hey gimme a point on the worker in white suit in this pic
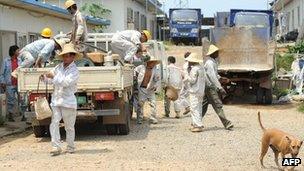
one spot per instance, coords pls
(38, 52)
(298, 75)
(64, 77)
(195, 80)
(147, 79)
(129, 42)
(174, 79)
(214, 87)
(184, 93)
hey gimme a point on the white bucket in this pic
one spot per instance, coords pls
(108, 60)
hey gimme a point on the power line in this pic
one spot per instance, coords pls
(181, 3)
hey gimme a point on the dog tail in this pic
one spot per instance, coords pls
(259, 117)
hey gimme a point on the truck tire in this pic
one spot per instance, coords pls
(268, 96)
(39, 131)
(264, 96)
(121, 129)
(260, 95)
(124, 129)
(111, 129)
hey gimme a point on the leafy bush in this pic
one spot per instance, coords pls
(301, 108)
(280, 92)
(284, 61)
(298, 48)
(97, 11)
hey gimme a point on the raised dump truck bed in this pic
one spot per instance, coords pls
(244, 49)
(246, 55)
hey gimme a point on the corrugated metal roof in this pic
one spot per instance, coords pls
(50, 10)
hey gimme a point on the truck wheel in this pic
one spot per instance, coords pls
(268, 96)
(260, 95)
(124, 129)
(39, 131)
(111, 129)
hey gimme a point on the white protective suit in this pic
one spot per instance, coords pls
(196, 83)
(174, 79)
(40, 48)
(126, 43)
(147, 94)
(212, 74)
(64, 103)
(184, 93)
(298, 76)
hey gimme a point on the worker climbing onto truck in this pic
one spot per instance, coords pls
(195, 80)
(79, 30)
(64, 77)
(37, 53)
(46, 33)
(214, 87)
(127, 43)
(147, 81)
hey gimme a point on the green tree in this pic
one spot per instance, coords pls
(97, 11)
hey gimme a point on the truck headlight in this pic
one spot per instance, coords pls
(174, 30)
(194, 30)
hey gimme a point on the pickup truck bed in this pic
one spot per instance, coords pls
(92, 79)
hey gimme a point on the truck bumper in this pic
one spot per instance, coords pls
(106, 112)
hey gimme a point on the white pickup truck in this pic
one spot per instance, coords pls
(104, 92)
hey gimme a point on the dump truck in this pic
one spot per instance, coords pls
(246, 55)
(104, 93)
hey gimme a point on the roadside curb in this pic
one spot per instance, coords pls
(4, 133)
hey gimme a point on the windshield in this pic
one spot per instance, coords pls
(245, 19)
(184, 15)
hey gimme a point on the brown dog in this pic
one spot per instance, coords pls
(279, 142)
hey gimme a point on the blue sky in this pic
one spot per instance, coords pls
(209, 7)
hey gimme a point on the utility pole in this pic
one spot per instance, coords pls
(181, 3)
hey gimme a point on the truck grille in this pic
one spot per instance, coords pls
(184, 30)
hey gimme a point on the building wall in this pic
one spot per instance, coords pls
(295, 14)
(118, 16)
(17, 24)
(151, 16)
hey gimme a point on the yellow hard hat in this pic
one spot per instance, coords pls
(147, 34)
(212, 49)
(69, 3)
(46, 32)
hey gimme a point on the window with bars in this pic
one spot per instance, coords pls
(130, 15)
(33, 37)
(292, 19)
(22, 41)
(143, 22)
(136, 20)
(299, 17)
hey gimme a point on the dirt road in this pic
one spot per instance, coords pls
(166, 146)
